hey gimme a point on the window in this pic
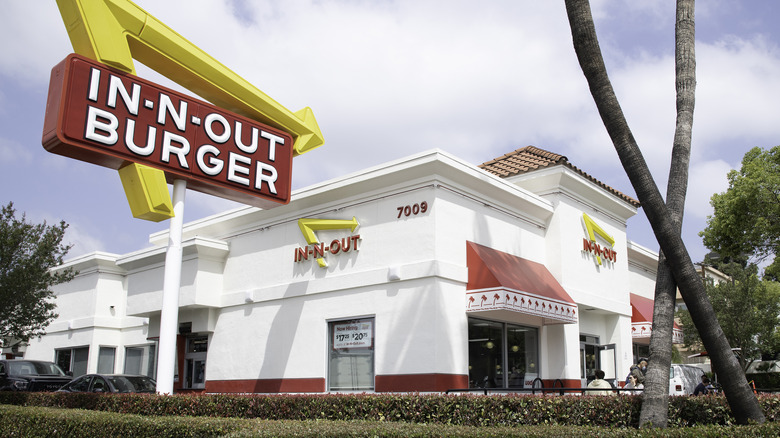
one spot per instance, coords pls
(106, 360)
(641, 352)
(73, 360)
(502, 355)
(81, 384)
(195, 362)
(351, 355)
(100, 385)
(140, 360)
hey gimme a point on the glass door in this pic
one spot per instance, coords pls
(502, 355)
(590, 359)
(195, 362)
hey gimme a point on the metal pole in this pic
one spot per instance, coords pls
(169, 314)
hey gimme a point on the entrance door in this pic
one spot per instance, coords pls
(590, 358)
(608, 361)
(195, 362)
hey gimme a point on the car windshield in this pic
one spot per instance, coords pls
(29, 368)
(133, 383)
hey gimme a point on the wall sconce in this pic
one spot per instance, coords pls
(489, 345)
(394, 273)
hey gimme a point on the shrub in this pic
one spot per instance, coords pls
(463, 410)
(16, 421)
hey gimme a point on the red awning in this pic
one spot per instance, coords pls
(501, 281)
(642, 320)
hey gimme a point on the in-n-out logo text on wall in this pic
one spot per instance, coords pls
(319, 250)
(590, 245)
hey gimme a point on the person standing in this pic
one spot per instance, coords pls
(703, 388)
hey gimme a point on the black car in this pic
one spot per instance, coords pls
(111, 383)
(31, 375)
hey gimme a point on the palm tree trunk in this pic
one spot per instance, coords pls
(655, 402)
(742, 401)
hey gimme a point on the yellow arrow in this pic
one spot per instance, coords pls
(308, 226)
(593, 229)
(116, 31)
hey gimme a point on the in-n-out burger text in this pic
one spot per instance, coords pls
(598, 250)
(345, 244)
(106, 117)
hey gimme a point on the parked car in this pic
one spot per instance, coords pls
(111, 383)
(31, 375)
(684, 378)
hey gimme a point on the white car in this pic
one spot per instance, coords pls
(684, 378)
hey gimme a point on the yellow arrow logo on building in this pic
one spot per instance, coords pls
(308, 227)
(594, 229)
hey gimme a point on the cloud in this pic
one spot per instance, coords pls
(83, 241)
(739, 94)
(34, 40)
(390, 79)
(697, 202)
(13, 153)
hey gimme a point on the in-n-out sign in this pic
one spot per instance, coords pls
(589, 244)
(106, 117)
(317, 249)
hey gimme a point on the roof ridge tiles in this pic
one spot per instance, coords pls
(530, 158)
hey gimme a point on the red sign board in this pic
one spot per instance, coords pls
(106, 117)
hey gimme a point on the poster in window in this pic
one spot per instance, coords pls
(353, 335)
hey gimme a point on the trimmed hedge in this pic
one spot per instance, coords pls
(16, 421)
(462, 410)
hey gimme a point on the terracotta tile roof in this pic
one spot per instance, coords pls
(530, 158)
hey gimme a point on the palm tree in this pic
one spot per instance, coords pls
(655, 402)
(742, 401)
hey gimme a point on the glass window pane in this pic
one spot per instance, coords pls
(486, 368)
(151, 365)
(522, 355)
(134, 357)
(351, 346)
(81, 384)
(63, 359)
(140, 360)
(80, 356)
(106, 360)
(491, 344)
(198, 345)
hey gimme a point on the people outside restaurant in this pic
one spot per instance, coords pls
(704, 387)
(639, 370)
(643, 366)
(634, 386)
(599, 383)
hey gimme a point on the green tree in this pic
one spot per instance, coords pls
(747, 309)
(27, 254)
(746, 217)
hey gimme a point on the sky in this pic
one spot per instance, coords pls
(389, 79)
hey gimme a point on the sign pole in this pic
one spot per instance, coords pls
(169, 315)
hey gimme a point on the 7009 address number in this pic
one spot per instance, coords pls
(412, 210)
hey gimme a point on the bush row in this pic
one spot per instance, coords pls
(16, 421)
(466, 410)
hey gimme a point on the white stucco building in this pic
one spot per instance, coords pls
(423, 274)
